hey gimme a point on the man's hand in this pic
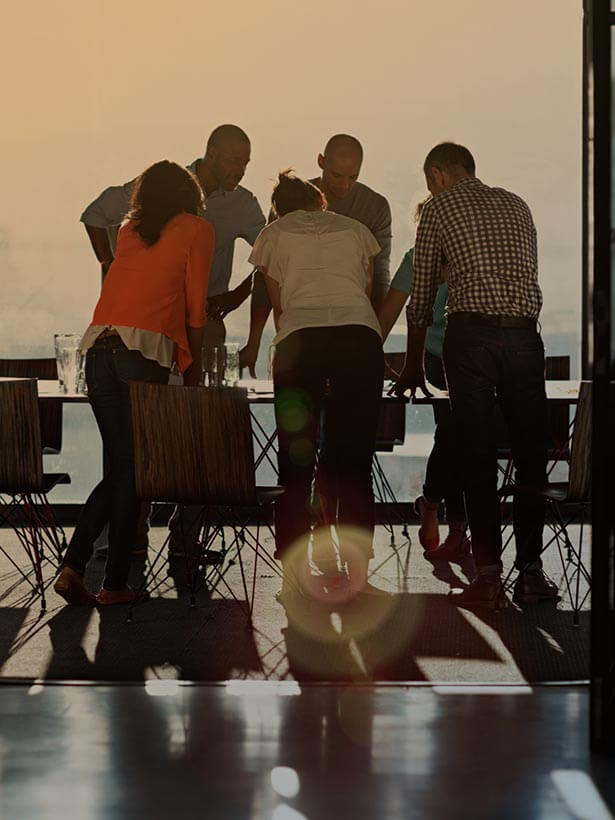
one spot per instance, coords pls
(247, 358)
(219, 306)
(410, 378)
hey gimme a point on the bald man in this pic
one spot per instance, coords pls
(340, 165)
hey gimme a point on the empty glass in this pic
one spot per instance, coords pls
(220, 365)
(70, 362)
(231, 365)
(212, 363)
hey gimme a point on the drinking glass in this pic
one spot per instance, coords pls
(212, 365)
(231, 364)
(70, 362)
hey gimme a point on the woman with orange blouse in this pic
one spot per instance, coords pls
(151, 312)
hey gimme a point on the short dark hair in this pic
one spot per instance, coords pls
(448, 156)
(224, 133)
(294, 194)
(343, 142)
(163, 190)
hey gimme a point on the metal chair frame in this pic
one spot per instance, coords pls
(24, 487)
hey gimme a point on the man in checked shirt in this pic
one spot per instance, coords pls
(492, 354)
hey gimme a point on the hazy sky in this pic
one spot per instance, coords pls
(96, 91)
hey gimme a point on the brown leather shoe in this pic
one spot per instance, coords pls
(533, 586)
(429, 534)
(485, 592)
(455, 547)
(69, 585)
(128, 595)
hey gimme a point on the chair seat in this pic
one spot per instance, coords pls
(558, 491)
(265, 495)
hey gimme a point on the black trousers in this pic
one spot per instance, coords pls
(443, 476)
(485, 364)
(349, 358)
(109, 369)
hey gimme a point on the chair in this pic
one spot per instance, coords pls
(391, 432)
(577, 492)
(194, 446)
(23, 485)
(557, 368)
(50, 412)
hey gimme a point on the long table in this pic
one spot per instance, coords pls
(559, 392)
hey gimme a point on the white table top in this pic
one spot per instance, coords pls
(565, 391)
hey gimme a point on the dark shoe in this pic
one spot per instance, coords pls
(485, 592)
(69, 585)
(533, 586)
(429, 534)
(128, 595)
(455, 547)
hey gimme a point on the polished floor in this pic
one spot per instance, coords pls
(285, 751)
(405, 629)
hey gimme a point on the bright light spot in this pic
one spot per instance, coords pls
(284, 812)
(35, 689)
(262, 688)
(285, 781)
(550, 640)
(161, 688)
(466, 689)
(580, 794)
(336, 622)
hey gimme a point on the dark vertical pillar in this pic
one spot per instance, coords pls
(598, 21)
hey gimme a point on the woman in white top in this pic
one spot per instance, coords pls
(317, 267)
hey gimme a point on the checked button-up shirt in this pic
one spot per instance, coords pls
(487, 239)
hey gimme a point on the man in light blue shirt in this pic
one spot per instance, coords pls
(231, 209)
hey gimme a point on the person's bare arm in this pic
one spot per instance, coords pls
(260, 309)
(192, 376)
(413, 374)
(222, 304)
(389, 310)
(102, 247)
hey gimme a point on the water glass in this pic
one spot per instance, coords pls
(70, 362)
(212, 365)
(220, 365)
(231, 364)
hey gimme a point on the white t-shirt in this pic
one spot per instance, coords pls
(320, 260)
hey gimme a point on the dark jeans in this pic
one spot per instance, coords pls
(443, 479)
(485, 364)
(109, 369)
(350, 359)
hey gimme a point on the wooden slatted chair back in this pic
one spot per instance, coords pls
(193, 445)
(579, 482)
(21, 460)
(50, 412)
